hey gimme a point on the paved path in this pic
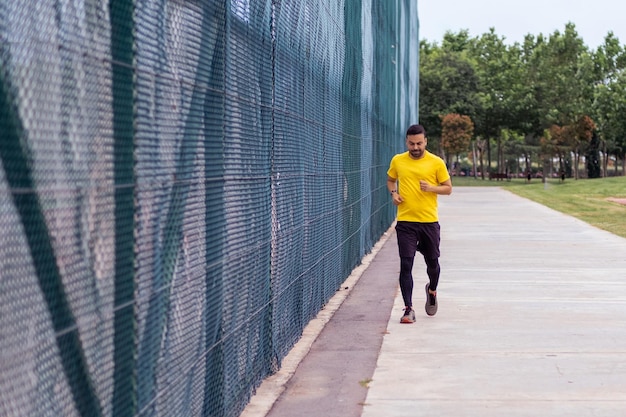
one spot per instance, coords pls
(531, 322)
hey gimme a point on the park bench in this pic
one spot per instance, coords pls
(499, 176)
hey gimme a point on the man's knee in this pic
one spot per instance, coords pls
(432, 263)
(406, 263)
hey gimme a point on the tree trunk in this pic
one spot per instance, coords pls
(482, 165)
(488, 156)
(474, 159)
(443, 155)
(605, 160)
(499, 169)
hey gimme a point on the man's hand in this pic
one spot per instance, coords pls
(445, 188)
(397, 199)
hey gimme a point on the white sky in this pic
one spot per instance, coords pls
(514, 19)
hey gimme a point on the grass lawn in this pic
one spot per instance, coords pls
(584, 199)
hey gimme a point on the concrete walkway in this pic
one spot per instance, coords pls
(531, 322)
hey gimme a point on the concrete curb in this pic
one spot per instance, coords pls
(273, 386)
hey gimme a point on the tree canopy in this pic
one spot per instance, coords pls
(550, 96)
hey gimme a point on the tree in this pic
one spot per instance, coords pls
(548, 148)
(456, 135)
(580, 134)
(501, 89)
(480, 147)
(522, 90)
(448, 84)
(559, 144)
(563, 78)
(609, 100)
(593, 158)
(513, 150)
(610, 107)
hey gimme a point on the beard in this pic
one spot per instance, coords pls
(416, 154)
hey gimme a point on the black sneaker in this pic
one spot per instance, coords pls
(409, 316)
(431, 302)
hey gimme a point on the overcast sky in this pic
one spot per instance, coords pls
(514, 19)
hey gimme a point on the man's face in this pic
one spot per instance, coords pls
(416, 144)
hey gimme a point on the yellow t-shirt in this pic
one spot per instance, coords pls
(418, 206)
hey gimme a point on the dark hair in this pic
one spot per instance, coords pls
(415, 130)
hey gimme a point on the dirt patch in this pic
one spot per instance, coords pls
(617, 200)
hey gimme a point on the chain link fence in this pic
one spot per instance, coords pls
(183, 185)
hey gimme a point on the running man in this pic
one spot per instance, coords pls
(415, 179)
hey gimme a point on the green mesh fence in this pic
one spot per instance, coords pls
(183, 185)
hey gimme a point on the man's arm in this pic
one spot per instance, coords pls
(445, 188)
(392, 186)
